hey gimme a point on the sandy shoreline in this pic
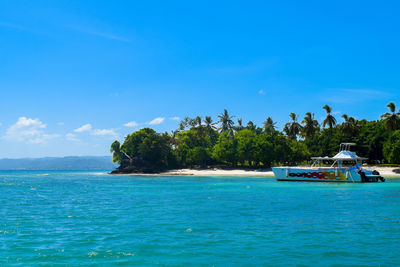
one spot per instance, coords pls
(389, 172)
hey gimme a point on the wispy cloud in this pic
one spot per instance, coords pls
(100, 33)
(351, 95)
(29, 131)
(109, 36)
(175, 118)
(131, 124)
(87, 128)
(157, 121)
(12, 26)
(105, 132)
(83, 128)
(71, 137)
(261, 92)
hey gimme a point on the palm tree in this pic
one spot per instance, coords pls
(197, 121)
(186, 122)
(269, 124)
(209, 124)
(251, 126)
(293, 128)
(349, 126)
(329, 120)
(391, 120)
(226, 122)
(192, 123)
(240, 125)
(310, 125)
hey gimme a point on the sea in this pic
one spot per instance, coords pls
(81, 218)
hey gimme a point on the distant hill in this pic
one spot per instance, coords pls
(62, 163)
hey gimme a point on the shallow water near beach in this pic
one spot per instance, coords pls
(81, 218)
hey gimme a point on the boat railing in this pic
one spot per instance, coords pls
(345, 146)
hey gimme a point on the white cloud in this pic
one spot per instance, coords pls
(157, 121)
(174, 118)
(131, 124)
(105, 132)
(71, 137)
(83, 128)
(29, 131)
(261, 92)
(96, 132)
(60, 123)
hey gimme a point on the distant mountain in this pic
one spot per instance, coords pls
(62, 163)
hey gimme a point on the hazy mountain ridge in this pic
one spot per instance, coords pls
(59, 163)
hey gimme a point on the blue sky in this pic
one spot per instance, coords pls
(76, 75)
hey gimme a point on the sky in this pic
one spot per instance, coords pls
(76, 75)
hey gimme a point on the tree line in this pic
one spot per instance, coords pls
(228, 142)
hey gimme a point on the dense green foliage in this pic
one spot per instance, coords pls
(204, 143)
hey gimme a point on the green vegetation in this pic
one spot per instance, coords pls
(204, 143)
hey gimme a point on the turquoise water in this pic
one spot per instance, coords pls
(81, 218)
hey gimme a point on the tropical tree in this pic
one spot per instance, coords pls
(186, 122)
(391, 148)
(269, 124)
(293, 128)
(264, 149)
(391, 120)
(349, 126)
(226, 122)
(329, 120)
(310, 127)
(224, 150)
(251, 126)
(198, 120)
(246, 140)
(148, 150)
(239, 125)
(115, 149)
(209, 124)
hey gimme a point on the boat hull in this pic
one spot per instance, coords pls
(343, 175)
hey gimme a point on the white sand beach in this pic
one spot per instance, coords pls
(222, 172)
(387, 172)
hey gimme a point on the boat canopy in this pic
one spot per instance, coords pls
(344, 154)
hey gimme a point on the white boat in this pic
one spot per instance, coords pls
(337, 172)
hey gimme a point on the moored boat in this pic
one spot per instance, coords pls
(337, 172)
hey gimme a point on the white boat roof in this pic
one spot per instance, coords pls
(347, 155)
(344, 154)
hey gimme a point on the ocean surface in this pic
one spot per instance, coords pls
(91, 218)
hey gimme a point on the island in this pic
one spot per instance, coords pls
(203, 146)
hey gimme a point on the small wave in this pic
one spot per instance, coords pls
(92, 254)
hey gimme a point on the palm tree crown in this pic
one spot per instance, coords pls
(198, 121)
(311, 125)
(226, 122)
(209, 123)
(391, 120)
(292, 129)
(239, 125)
(350, 125)
(269, 124)
(329, 120)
